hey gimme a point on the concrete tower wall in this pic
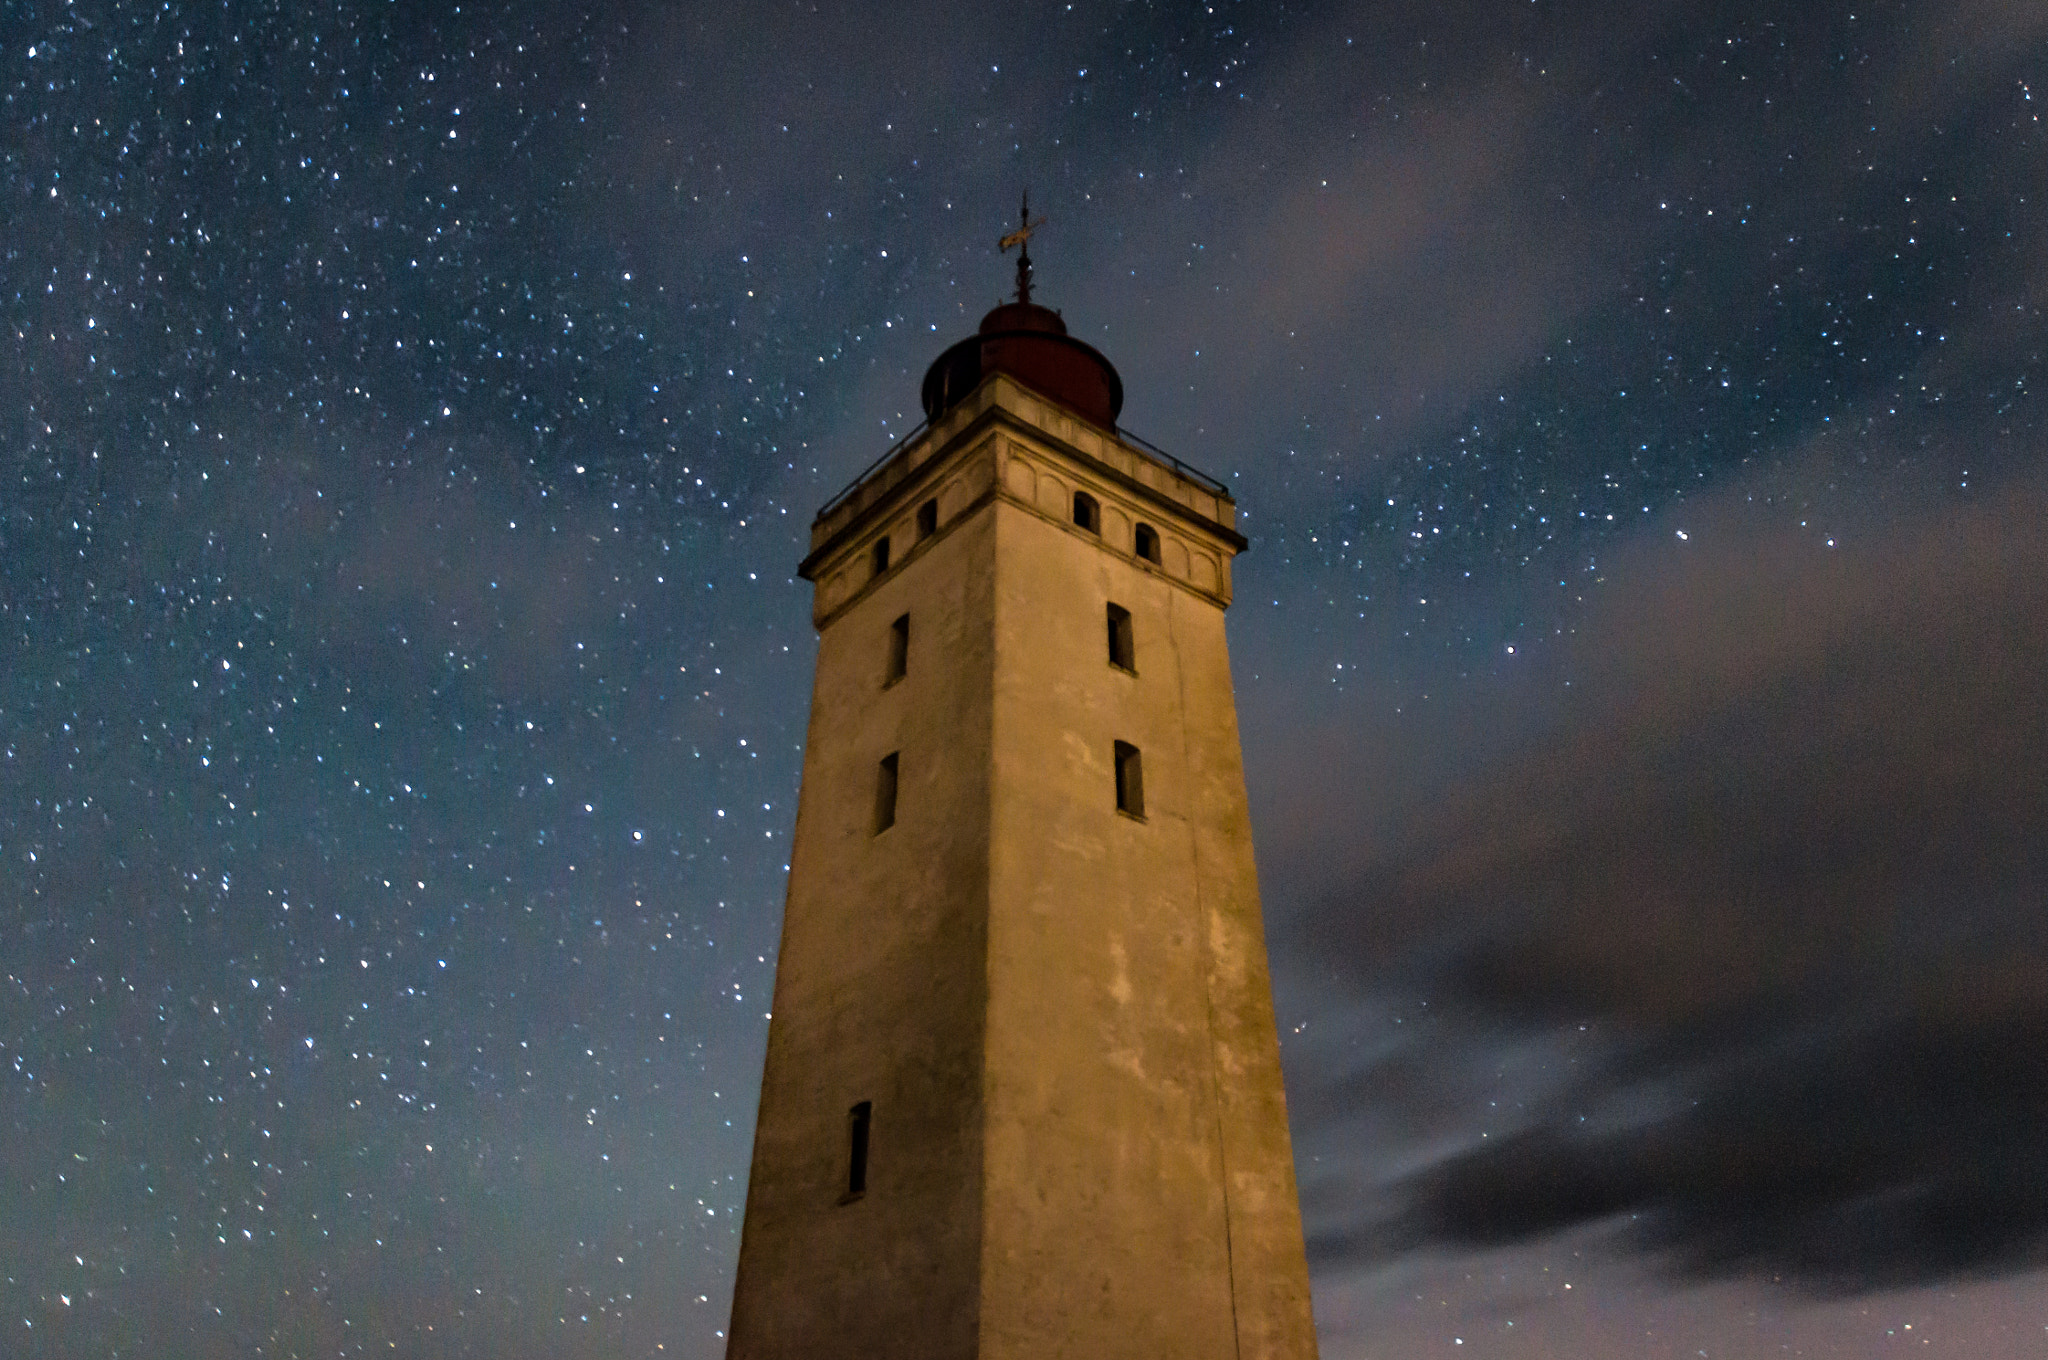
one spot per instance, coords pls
(881, 987)
(1140, 1185)
(1059, 1010)
(1105, 1228)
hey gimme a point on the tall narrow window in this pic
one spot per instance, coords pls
(1087, 512)
(1121, 651)
(899, 651)
(881, 554)
(928, 518)
(857, 1120)
(1130, 780)
(885, 794)
(1148, 542)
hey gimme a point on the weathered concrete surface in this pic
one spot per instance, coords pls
(880, 991)
(1061, 1012)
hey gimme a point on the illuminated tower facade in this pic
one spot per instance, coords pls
(1023, 1092)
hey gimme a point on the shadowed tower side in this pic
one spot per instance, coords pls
(1023, 1092)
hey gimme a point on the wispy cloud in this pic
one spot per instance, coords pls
(1763, 899)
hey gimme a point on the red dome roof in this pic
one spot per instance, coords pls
(1031, 344)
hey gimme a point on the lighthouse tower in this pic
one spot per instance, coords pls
(1023, 1093)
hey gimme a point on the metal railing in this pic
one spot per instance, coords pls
(1187, 470)
(861, 478)
(868, 473)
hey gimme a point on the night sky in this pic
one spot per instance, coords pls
(411, 416)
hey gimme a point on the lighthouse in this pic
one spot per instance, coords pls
(1022, 1095)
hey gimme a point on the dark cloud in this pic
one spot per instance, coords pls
(1855, 1155)
(1781, 853)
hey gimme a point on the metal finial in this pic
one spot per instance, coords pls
(1021, 237)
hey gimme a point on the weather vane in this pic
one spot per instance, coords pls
(1021, 238)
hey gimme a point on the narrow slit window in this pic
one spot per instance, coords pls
(899, 651)
(1122, 651)
(858, 1120)
(885, 794)
(1130, 780)
(881, 554)
(928, 519)
(1148, 543)
(1087, 512)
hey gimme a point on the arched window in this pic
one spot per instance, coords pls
(1087, 512)
(1148, 543)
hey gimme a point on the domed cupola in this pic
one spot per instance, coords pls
(1031, 344)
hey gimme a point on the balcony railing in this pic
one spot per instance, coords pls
(1146, 446)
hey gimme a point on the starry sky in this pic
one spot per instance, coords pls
(411, 416)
